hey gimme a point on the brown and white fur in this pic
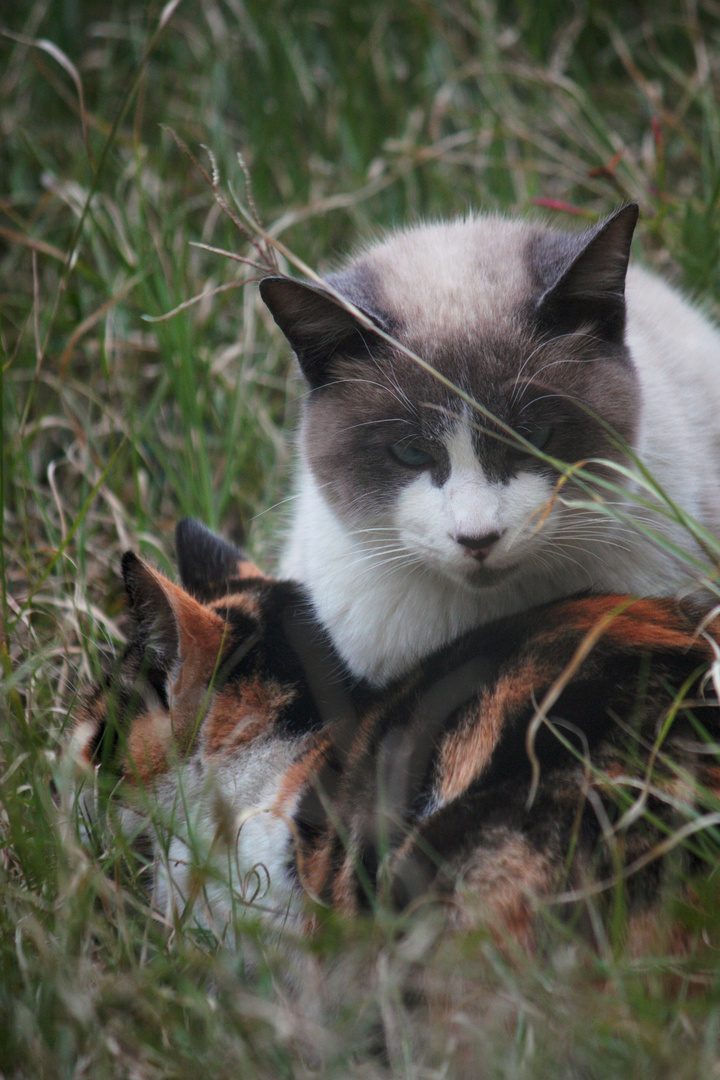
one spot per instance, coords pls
(544, 332)
(232, 725)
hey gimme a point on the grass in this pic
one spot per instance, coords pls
(351, 117)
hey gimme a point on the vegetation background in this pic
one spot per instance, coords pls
(352, 115)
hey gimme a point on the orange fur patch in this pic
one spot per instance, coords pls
(344, 898)
(296, 776)
(245, 602)
(466, 752)
(314, 869)
(247, 570)
(500, 887)
(649, 934)
(243, 711)
(312, 865)
(361, 737)
(644, 624)
(150, 747)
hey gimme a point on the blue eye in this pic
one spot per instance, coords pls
(410, 454)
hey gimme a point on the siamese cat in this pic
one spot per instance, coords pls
(430, 502)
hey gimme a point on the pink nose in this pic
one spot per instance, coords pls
(478, 546)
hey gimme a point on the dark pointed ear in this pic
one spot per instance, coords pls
(591, 271)
(313, 322)
(207, 563)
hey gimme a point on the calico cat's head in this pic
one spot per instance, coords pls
(526, 322)
(213, 662)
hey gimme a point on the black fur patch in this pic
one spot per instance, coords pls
(206, 562)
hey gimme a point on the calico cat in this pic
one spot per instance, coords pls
(231, 708)
(418, 515)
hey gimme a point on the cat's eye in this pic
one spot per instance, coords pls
(538, 436)
(411, 454)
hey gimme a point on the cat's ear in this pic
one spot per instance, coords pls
(591, 270)
(314, 323)
(182, 642)
(207, 563)
(169, 623)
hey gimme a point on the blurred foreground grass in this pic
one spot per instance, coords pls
(352, 117)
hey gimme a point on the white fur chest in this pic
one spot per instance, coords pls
(222, 839)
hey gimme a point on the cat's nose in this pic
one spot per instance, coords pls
(478, 546)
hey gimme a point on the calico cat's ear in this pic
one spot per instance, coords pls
(181, 646)
(588, 275)
(314, 323)
(168, 621)
(207, 563)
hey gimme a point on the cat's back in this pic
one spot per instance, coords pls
(675, 348)
(668, 332)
